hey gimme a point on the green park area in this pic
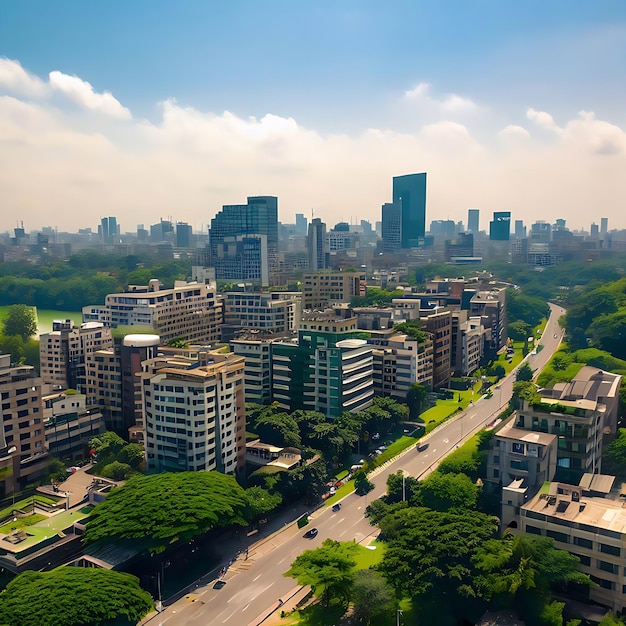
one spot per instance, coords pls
(45, 317)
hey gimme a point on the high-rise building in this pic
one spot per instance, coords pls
(183, 235)
(520, 229)
(64, 352)
(321, 290)
(188, 310)
(326, 370)
(500, 227)
(317, 245)
(162, 232)
(594, 231)
(301, 224)
(108, 230)
(410, 190)
(242, 258)
(258, 217)
(473, 221)
(604, 225)
(23, 455)
(392, 226)
(207, 400)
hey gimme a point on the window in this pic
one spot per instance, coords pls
(557, 536)
(615, 551)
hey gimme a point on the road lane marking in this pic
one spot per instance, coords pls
(229, 617)
(279, 562)
(257, 578)
(245, 607)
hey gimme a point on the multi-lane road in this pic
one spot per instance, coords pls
(256, 584)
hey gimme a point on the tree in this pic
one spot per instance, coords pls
(524, 372)
(107, 444)
(261, 502)
(132, 454)
(329, 569)
(519, 331)
(614, 457)
(73, 596)
(372, 597)
(167, 507)
(362, 484)
(415, 399)
(21, 321)
(399, 485)
(443, 492)
(117, 471)
(430, 554)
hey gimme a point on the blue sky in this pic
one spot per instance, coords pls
(319, 103)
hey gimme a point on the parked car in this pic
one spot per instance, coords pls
(310, 534)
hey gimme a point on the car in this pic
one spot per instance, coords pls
(337, 507)
(381, 448)
(310, 534)
(420, 447)
(332, 490)
(555, 335)
(219, 584)
(375, 436)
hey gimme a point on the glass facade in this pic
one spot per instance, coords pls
(410, 190)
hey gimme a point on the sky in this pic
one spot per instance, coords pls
(151, 109)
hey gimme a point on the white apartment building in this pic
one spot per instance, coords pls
(194, 418)
(188, 310)
(399, 362)
(64, 352)
(258, 367)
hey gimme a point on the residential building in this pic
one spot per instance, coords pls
(410, 191)
(321, 290)
(317, 245)
(69, 425)
(439, 324)
(195, 417)
(269, 312)
(64, 351)
(468, 343)
(188, 310)
(23, 455)
(491, 306)
(104, 387)
(589, 521)
(265, 454)
(326, 369)
(255, 347)
(579, 412)
(500, 226)
(399, 362)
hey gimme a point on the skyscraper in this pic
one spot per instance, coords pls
(410, 190)
(392, 226)
(520, 229)
(604, 225)
(108, 230)
(500, 227)
(258, 217)
(301, 224)
(317, 245)
(473, 220)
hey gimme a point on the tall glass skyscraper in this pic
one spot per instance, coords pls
(258, 217)
(411, 191)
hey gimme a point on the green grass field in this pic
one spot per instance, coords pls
(45, 317)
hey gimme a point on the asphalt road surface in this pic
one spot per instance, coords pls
(255, 585)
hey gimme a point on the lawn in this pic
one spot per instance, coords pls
(26, 504)
(443, 410)
(366, 557)
(21, 522)
(45, 317)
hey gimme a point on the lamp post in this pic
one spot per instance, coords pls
(399, 612)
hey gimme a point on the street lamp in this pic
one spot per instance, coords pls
(399, 612)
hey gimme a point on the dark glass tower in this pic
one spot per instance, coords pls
(258, 217)
(411, 191)
(500, 226)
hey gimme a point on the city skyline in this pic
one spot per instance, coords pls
(152, 110)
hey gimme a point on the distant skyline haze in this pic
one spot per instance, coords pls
(145, 110)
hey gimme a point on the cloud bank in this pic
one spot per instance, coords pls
(70, 155)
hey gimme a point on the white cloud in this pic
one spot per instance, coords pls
(419, 91)
(543, 119)
(451, 103)
(513, 130)
(65, 169)
(15, 79)
(82, 93)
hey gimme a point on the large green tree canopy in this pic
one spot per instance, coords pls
(170, 506)
(21, 321)
(73, 596)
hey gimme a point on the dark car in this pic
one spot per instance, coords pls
(309, 534)
(337, 507)
(420, 447)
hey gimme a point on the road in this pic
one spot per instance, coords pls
(255, 585)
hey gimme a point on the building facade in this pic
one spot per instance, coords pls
(188, 310)
(195, 418)
(321, 290)
(410, 191)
